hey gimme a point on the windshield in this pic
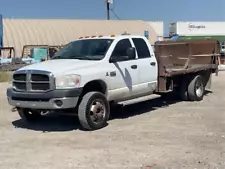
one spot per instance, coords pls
(88, 49)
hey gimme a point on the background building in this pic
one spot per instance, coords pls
(19, 32)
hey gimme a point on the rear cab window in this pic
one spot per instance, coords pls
(141, 47)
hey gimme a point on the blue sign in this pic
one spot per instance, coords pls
(146, 34)
(1, 31)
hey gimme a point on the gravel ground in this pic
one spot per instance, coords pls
(155, 133)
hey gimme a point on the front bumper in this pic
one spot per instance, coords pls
(55, 99)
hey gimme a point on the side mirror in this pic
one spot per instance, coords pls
(113, 60)
(131, 53)
(116, 59)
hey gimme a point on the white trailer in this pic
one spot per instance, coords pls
(197, 28)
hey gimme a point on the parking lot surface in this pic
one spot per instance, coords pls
(162, 134)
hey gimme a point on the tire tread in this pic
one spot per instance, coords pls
(191, 89)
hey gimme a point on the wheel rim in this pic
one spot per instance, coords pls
(97, 111)
(199, 88)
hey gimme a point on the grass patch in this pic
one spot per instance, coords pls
(5, 76)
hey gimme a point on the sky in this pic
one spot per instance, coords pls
(149, 10)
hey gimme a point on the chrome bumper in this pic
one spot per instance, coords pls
(65, 103)
(55, 99)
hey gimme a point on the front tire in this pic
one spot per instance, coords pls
(196, 88)
(93, 111)
(29, 115)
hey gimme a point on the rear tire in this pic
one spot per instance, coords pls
(93, 111)
(196, 88)
(184, 90)
(29, 115)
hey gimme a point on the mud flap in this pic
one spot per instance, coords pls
(208, 82)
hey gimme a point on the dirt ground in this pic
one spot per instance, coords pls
(155, 133)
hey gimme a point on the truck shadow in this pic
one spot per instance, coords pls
(127, 111)
(58, 123)
(53, 123)
(123, 112)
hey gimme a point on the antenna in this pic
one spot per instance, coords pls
(125, 33)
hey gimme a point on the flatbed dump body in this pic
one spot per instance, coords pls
(184, 57)
(194, 68)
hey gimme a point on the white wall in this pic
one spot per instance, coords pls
(158, 27)
(197, 28)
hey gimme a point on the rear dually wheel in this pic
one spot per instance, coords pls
(196, 88)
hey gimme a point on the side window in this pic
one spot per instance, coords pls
(141, 47)
(120, 51)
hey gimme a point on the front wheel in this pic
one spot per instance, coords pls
(93, 111)
(196, 88)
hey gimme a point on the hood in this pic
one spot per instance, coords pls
(59, 66)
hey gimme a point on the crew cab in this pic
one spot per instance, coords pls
(88, 74)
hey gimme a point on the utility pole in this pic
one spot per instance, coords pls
(108, 2)
(108, 10)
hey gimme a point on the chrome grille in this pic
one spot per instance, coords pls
(33, 81)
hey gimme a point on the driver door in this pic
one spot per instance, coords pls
(123, 74)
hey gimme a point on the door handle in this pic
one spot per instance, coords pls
(112, 73)
(133, 66)
(152, 63)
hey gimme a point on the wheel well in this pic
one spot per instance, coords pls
(96, 85)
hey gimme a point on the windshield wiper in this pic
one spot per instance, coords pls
(57, 57)
(83, 57)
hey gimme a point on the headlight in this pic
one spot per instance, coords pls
(67, 81)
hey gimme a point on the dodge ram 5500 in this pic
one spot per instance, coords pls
(88, 74)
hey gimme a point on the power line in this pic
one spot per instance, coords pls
(114, 13)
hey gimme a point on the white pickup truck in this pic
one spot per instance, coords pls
(90, 73)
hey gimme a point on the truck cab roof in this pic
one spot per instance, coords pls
(111, 37)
